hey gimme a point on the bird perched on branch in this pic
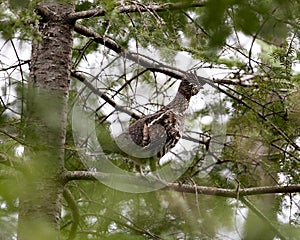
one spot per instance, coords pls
(155, 134)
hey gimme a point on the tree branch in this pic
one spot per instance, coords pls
(153, 65)
(204, 190)
(232, 193)
(98, 38)
(135, 57)
(136, 7)
(82, 175)
(86, 14)
(20, 63)
(103, 95)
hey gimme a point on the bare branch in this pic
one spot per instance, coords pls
(83, 175)
(232, 193)
(98, 38)
(140, 59)
(103, 95)
(86, 14)
(21, 62)
(202, 140)
(204, 190)
(153, 65)
(136, 7)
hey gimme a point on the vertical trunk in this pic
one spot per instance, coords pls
(40, 199)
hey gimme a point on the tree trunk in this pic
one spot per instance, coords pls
(46, 119)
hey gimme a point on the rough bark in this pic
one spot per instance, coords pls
(42, 186)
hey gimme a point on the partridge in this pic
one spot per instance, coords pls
(156, 134)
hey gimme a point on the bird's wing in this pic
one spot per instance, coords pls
(158, 132)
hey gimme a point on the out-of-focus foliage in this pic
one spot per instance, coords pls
(17, 18)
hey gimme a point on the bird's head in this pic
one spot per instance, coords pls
(189, 86)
